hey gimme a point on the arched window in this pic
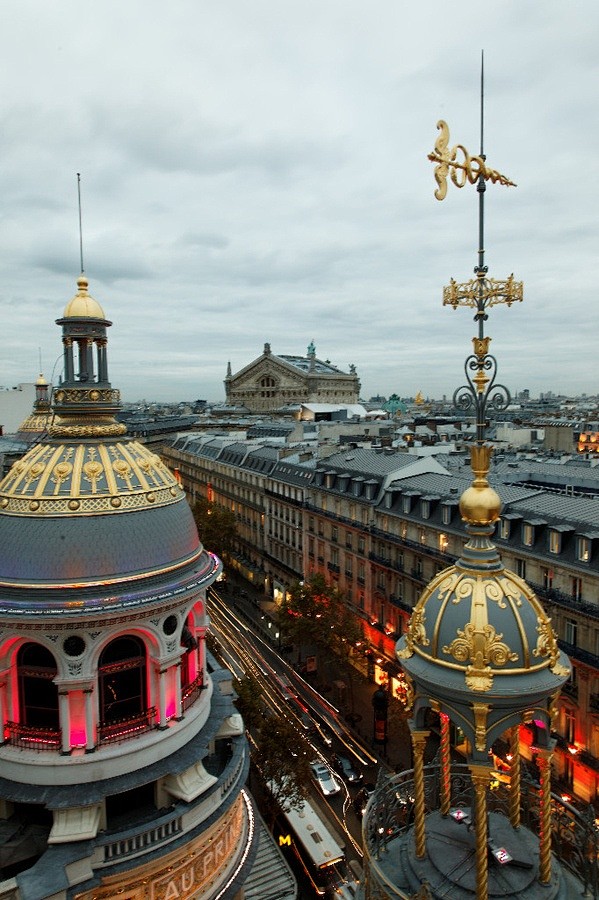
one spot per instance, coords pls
(38, 695)
(122, 679)
(268, 384)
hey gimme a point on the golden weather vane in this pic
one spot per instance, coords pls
(467, 169)
(481, 391)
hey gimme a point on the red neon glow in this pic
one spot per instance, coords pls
(77, 738)
(77, 729)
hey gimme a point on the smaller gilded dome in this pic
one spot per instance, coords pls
(41, 381)
(83, 306)
(478, 618)
(481, 624)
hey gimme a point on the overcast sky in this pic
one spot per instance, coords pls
(256, 170)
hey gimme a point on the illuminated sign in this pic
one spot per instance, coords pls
(501, 855)
(285, 840)
(181, 875)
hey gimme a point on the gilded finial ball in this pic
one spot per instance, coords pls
(480, 505)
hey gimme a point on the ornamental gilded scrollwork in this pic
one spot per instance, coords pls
(482, 647)
(547, 646)
(416, 633)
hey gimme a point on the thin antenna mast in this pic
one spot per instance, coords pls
(80, 228)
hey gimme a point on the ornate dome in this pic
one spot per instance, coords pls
(95, 508)
(38, 419)
(481, 624)
(477, 619)
(82, 305)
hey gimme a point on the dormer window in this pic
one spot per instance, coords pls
(425, 509)
(583, 549)
(528, 534)
(555, 541)
(406, 503)
(504, 529)
(446, 514)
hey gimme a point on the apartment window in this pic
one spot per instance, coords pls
(571, 632)
(528, 535)
(404, 530)
(570, 722)
(321, 528)
(348, 540)
(381, 581)
(521, 568)
(583, 549)
(504, 529)
(361, 578)
(577, 588)
(422, 535)
(334, 533)
(547, 578)
(361, 544)
(349, 566)
(555, 542)
(443, 542)
(399, 560)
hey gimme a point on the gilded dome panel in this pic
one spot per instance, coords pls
(75, 478)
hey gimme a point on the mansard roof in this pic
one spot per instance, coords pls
(303, 364)
(580, 512)
(300, 366)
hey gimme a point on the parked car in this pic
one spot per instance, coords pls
(325, 779)
(343, 766)
(362, 797)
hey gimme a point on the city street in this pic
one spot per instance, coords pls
(244, 625)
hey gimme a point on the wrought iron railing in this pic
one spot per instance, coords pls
(390, 814)
(30, 737)
(126, 728)
(191, 692)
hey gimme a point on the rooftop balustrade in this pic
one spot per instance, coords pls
(389, 821)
